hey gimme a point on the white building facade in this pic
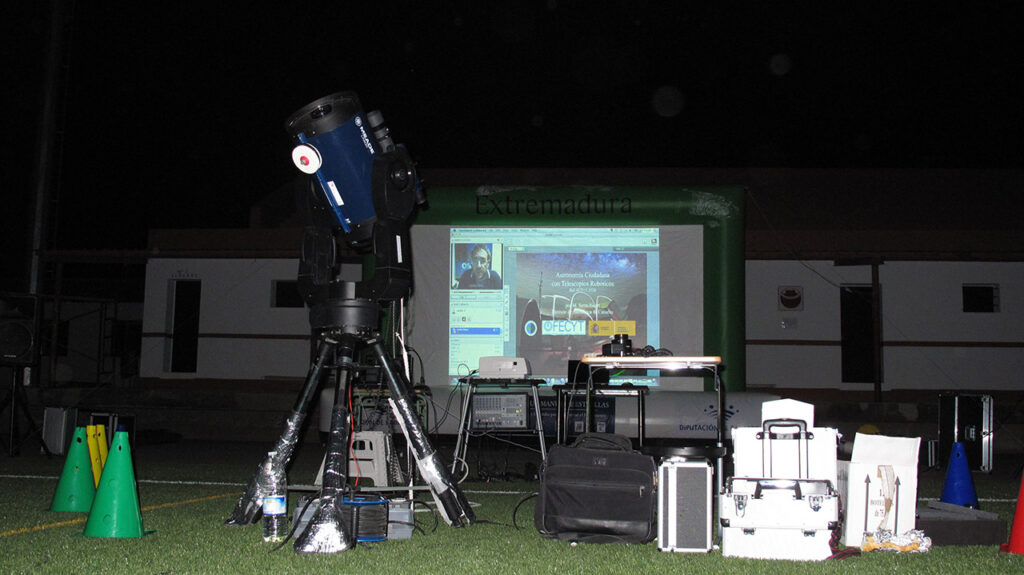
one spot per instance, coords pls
(935, 335)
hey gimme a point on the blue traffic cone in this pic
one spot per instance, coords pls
(959, 487)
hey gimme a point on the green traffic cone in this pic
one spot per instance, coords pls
(115, 510)
(76, 488)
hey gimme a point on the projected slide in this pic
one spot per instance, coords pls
(563, 292)
(550, 294)
(569, 304)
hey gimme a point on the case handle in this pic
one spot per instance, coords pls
(783, 484)
(599, 441)
(769, 426)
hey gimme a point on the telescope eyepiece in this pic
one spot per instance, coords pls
(381, 133)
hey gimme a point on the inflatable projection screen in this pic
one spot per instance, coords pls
(552, 274)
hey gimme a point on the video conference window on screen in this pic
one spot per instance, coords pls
(551, 295)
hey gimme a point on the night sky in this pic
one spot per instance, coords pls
(172, 114)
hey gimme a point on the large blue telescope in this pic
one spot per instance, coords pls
(335, 144)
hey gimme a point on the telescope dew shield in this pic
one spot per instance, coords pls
(336, 147)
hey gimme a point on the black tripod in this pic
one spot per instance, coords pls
(16, 401)
(326, 532)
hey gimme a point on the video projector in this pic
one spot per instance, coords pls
(502, 367)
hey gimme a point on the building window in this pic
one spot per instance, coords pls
(981, 298)
(285, 293)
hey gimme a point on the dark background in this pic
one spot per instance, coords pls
(171, 115)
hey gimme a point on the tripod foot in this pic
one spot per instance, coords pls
(250, 504)
(326, 532)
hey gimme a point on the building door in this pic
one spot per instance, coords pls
(184, 350)
(857, 330)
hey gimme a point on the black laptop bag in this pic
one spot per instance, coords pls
(598, 490)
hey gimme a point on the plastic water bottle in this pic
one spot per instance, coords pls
(275, 503)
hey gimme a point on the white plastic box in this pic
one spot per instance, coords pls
(400, 519)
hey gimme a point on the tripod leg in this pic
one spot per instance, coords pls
(33, 428)
(11, 401)
(250, 504)
(17, 401)
(449, 498)
(326, 531)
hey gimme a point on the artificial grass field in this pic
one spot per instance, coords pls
(186, 490)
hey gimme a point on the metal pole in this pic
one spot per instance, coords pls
(876, 330)
(48, 128)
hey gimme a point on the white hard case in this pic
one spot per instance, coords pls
(768, 518)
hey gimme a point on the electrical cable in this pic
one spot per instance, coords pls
(407, 523)
(833, 542)
(428, 508)
(651, 351)
(447, 408)
(400, 337)
(522, 500)
(351, 436)
(572, 396)
(423, 369)
(492, 435)
(465, 469)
